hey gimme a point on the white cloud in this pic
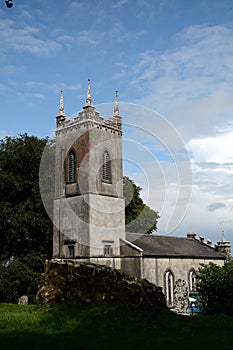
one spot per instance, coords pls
(54, 87)
(13, 69)
(79, 6)
(26, 14)
(206, 222)
(26, 39)
(33, 95)
(191, 83)
(87, 37)
(120, 3)
(216, 149)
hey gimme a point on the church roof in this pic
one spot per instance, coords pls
(174, 247)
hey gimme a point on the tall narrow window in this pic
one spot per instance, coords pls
(106, 170)
(169, 286)
(71, 251)
(107, 250)
(192, 280)
(71, 167)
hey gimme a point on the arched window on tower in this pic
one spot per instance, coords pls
(192, 280)
(71, 166)
(106, 169)
(169, 287)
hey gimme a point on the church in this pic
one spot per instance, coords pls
(89, 209)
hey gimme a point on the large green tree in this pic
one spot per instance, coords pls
(139, 218)
(25, 229)
(24, 224)
(215, 287)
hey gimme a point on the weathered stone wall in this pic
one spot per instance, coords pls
(79, 282)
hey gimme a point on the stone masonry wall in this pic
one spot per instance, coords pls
(80, 282)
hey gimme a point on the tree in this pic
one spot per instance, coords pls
(139, 217)
(25, 229)
(20, 276)
(215, 287)
(24, 224)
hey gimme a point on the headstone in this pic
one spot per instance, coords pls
(23, 300)
(181, 301)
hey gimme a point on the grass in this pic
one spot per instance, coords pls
(109, 327)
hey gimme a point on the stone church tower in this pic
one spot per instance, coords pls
(89, 219)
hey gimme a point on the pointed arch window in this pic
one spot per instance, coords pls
(192, 280)
(169, 287)
(106, 169)
(71, 166)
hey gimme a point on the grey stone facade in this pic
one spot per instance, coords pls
(89, 205)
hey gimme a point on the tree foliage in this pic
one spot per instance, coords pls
(20, 276)
(139, 217)
(215, 287)
(24, 225)
(25, 229)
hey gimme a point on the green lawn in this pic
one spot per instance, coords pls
(109, 327)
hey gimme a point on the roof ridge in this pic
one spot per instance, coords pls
(154, 235)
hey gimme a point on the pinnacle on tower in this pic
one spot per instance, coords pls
(89, 99)
(61, 118)
(116, 115)
(223, 236)
(116, 105)
(61, 109)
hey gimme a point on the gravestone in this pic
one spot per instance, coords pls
(181, 297)
(23, 300)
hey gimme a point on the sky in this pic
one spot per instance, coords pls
(172, 62)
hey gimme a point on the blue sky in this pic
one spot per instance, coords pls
(174, 57)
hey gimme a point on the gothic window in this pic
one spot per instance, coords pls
(169, 286)
(192, 280)
(71, 166)
(106, 169)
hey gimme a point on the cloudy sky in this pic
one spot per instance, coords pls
(172, 62)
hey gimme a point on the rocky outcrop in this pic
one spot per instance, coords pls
(80, 282)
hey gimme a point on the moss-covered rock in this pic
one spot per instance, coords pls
(79, 282)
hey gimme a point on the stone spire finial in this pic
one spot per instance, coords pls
(116, 105)
(61, 117)
(223, 237)
(61, 109)
(88, 99)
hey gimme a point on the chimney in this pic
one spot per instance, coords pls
(201, 239)
(192, 235)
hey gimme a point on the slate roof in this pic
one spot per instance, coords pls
(174, 247)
